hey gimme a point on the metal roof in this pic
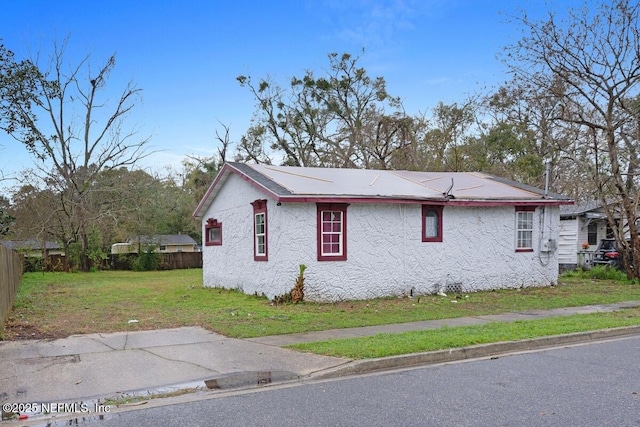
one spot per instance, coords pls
(300, 184)
(31, 244)
(580, 208)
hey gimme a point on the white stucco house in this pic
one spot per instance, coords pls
(373, 233)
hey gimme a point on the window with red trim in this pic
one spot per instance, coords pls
(332, 231)
(213, 232)
(260, 230)
(524, 228)
(431, 223)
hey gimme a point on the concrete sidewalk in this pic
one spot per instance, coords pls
(283, 340)
(98, 366)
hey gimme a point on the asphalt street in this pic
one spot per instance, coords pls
(594, 384)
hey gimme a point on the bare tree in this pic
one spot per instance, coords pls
(200, 171)
(592, 62)
(62, 116)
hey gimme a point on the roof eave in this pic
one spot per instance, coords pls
(299, 198)
(214, 188)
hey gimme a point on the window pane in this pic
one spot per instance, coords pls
(260, 245)
(525, 239)
(524, 236)
(260, 223)
(592, 236)
(331, 232)
(214, 234)
(260, 234)
(431, 224)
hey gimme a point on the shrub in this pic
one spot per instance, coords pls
(599, 272)
(147, 260)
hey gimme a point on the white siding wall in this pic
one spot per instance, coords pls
(573, 233)
(385, 252)
(568, 242)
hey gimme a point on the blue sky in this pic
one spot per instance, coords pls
(186, 55)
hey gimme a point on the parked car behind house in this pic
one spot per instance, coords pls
(607, 253)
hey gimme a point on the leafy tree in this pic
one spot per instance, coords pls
(342, 119)
(450, 128)
(591, 63)
(521, 131)
(61, 116)
(17, 95)
(6, 219)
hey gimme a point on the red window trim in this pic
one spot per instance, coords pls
(212, 223)
(527, 208)
(260, 206)
(438, 210)
(339, 207)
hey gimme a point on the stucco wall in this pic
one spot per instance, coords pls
(385, 252)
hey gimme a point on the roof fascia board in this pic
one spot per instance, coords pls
(455, 202)
(204, 202)
(222, 176)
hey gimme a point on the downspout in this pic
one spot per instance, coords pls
(542, 222)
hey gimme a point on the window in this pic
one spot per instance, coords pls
(524, 228)
(431, 223)
(332, 231)
(260, 230)
(592, 233)
(213, 232)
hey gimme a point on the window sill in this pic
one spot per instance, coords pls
(332, 258)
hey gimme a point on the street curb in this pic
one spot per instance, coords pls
(473, 352)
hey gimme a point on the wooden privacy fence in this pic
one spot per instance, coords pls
(166, 261)
(10, 274)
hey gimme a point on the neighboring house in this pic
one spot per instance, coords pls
(373, 233)
(162, 243)
(582, 226)
(34, 248)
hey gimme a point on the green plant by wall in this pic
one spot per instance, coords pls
(599, 272)
(296, 294)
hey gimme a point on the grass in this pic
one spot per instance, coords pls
(62, 304)
(139, 399)
(383, 345)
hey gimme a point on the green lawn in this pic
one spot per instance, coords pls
(61, 304)
(383, 345)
